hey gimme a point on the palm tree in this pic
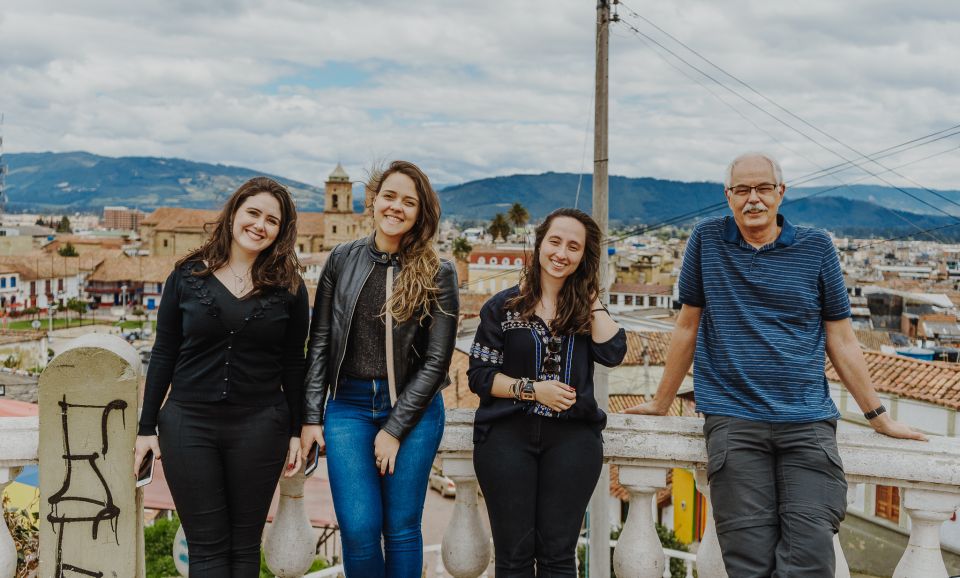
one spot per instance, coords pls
(462, 249)
(499, 227)
(518, 215)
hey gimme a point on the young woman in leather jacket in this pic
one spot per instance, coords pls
(372, 394)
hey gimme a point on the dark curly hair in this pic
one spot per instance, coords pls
(579, 290)
(275, 266)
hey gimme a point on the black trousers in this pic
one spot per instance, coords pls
(222, 462)
(537, 475)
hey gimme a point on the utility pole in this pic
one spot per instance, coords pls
(599, 513)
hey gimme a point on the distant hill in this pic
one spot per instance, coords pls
(855, 209)
(80, 181)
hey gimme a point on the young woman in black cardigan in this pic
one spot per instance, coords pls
(230, 340)
(537, 442)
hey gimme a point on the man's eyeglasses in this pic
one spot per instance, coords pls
(551, 361)
(763, 189)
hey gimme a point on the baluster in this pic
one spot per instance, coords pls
(181, 556)
(8, 552)
(928, 510)
(666, 567)
(709, 558)
(465, 547)
(438, 569)
(290, 545)
(843, 569)
(639, 553)
(688, 564)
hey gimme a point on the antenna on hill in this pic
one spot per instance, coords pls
(3, 172)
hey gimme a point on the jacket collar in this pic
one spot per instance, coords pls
(379, 256)
(788, 233)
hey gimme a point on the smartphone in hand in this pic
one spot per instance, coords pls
(313, 459)
(145, 475)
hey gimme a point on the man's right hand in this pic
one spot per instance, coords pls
(310, 434)
(652, 407)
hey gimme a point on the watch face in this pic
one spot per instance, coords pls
(527, 396)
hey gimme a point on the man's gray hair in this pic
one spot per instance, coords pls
(777, 172)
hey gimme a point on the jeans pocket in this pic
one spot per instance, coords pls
(716, 430)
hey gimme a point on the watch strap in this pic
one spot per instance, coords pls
(875, 412)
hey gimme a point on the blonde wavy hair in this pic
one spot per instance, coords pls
(415, 289)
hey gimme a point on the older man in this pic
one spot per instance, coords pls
(762, 299)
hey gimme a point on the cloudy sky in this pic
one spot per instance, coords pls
(483, 88)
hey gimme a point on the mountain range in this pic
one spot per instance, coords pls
(81, 181)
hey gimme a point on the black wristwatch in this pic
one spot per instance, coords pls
(874, 413)
(527, 393)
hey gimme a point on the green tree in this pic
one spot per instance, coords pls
(78, 306)
(499, 227)
(64, 225)
(68, 250)
(518, 215)
(462, 249)
(158, 548)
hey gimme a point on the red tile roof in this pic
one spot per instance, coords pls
(933, 382)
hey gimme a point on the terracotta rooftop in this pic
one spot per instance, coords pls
(40, 266)
(641, 289)
(652, 344)
(933, 382)
(145, 269)
(873, 339)
(177, 218)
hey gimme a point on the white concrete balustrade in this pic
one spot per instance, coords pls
(645, 449)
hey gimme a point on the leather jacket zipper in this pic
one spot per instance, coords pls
(346, 336)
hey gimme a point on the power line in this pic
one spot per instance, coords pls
(638, 32)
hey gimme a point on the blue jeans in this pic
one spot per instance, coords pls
(369, 507)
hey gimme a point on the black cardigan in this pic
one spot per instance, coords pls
(212, 346)
(514, 347)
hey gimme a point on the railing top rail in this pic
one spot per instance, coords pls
(678, 442)
(19, 438)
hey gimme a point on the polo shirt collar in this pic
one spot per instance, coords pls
(788, 233)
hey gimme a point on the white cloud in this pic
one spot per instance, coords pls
(476, 89)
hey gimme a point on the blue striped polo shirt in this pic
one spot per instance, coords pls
(760, 345)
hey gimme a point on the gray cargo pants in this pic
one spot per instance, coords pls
(778, 494)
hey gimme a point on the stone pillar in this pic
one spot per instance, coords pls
(928, 510)
(466, 546)
(639, 553)
(290, 545)
(709, 557)
(89, 516)
(8, 551)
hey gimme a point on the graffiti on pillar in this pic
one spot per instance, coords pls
(94, 509)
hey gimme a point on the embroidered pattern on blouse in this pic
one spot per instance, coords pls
(199, 286)
(265, 302)
(486, 354)
(513, 321)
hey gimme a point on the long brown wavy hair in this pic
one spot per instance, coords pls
(579, 289)
(275, 266)
(415, 288)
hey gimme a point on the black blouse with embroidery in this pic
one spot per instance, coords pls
(509, 345)
(212, 346)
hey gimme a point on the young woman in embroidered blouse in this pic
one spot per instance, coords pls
(383, 418)
(231, 330)
(537, 442)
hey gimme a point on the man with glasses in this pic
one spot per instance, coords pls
(763, 300)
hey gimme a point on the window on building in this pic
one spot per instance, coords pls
(493, 260)
(336, 202)
(518, 261)
(3, 282)
(334, 229)
(46, 287)
(59, 284)
(481, 261)
(888, 503)
(301, 247)
(628, 299)
(13, 281)
(33, 288)
(166, 242)
(613, 299)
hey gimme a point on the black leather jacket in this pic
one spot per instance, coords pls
(421, 354)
